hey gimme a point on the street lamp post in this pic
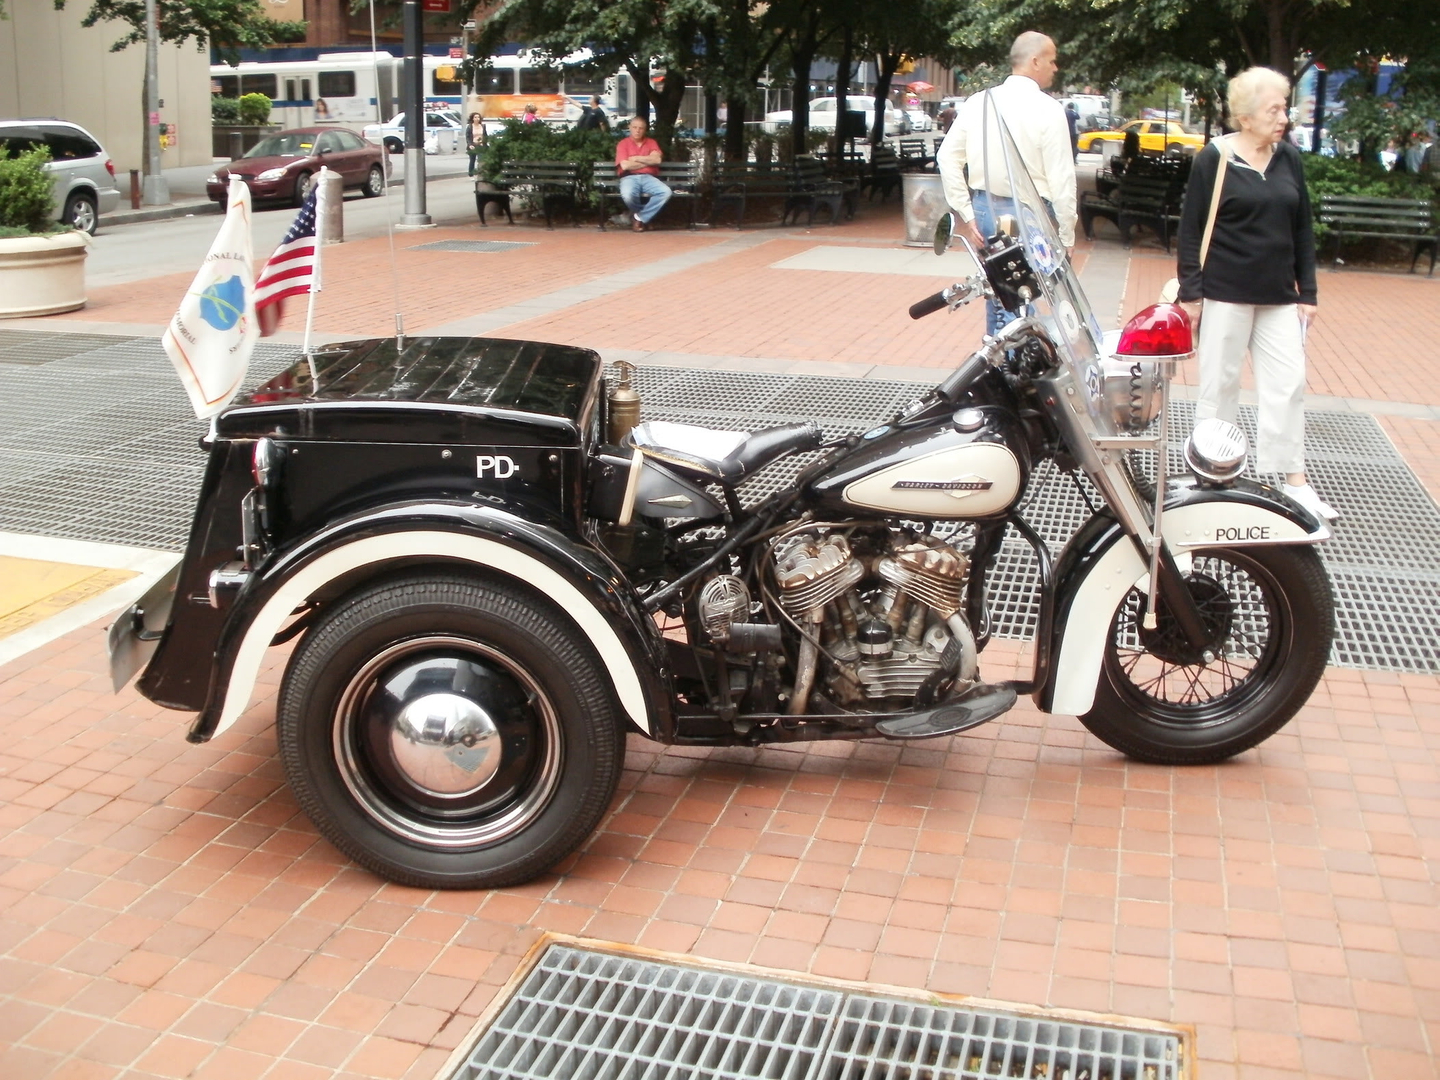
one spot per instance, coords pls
(414, 97)
(155, 191)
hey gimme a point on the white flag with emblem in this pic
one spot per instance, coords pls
(211, 337)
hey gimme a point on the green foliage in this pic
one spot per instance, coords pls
(254, 109)
(1363, 179)
(1400, 115)
(228, 24)
(224, 110)
(27, 192)
(542, 142)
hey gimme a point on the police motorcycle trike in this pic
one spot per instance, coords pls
(489, 577)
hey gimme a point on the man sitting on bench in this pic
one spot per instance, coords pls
(637, 161)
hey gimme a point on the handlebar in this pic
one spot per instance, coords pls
(929, 305)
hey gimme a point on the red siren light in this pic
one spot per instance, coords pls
(1161, 330)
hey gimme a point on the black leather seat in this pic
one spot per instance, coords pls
(752, 454)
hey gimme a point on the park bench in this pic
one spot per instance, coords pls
(1136, 200)
(1350, 217)
(682, 177)
(736, 183)
(812, 187)
(554, 184)
(915, 155)
(884, 172)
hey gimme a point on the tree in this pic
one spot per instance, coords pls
(891, 31)
(228, 24)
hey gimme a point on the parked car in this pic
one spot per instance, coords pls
(444, 130)
(822, 116)
(84, 175)
(283, 165)
(919, 120)
(1156, 137)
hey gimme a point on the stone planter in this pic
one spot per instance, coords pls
(250, 134)
(42, 275)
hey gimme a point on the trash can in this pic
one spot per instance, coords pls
(923, 195)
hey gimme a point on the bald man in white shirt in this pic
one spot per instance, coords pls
(1036, 123)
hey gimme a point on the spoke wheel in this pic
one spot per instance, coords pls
(81, 212)
(303, 186)
(1269, 616)
(449, 733)
(375, 182)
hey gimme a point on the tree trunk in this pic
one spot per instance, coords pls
(800, 99)
(842, 92)
(885, 65)
(641, 78)
(667, 105)
(735, 128)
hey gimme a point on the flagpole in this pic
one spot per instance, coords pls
(321, 200)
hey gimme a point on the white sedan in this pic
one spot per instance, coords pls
(443, 131)
(919, 120)
(822, 115)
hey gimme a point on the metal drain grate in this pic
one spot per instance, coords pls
(97, 443)
(473, 245)
(583, 1012)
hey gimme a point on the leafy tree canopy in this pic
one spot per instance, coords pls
(228, 24)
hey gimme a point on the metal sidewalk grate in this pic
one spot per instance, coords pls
(472, 245)
(97, 443)
(582, 1012)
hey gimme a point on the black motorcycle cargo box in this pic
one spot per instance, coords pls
(476, 391)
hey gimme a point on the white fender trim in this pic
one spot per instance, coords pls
(1187, 528)
(472, 549)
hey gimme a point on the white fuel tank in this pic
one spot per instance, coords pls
(975, 480)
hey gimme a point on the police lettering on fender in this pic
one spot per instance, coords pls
(500, 466)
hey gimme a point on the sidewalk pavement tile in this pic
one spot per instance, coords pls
(32, 591)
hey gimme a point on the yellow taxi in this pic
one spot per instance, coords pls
(1156, 137)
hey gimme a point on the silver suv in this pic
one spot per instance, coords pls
(84, 175)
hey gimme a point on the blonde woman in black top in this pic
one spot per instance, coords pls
(1256, 290)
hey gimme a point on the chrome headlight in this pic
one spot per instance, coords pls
(1216, 451)
(271, 174)
(1132, 391)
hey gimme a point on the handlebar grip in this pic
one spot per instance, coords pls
(961, 379)
(929, 305)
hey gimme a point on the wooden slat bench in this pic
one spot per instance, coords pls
(1350, 217)
(1136, 200)
(914, 154)
(554, 183)
(884, 173)
(682, 177)
(813, 187)
(736, 183)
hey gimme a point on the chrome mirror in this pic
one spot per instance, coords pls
(943, 229)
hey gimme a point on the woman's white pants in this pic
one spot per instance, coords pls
(1272, 333)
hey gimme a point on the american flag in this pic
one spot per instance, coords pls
(291, 271)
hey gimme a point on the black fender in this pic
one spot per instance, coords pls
(1102, 562)
(581, 581)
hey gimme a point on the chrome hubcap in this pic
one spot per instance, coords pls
(447, 742)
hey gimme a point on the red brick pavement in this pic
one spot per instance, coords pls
(166, 911)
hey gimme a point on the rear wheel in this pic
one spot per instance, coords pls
(394, 146)
(1271, 617)
(81, 212)
(1175, 148)
(374, 182)
(449, 733)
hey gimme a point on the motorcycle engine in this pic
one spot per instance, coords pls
(884, 616)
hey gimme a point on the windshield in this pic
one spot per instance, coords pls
(290, 145)
(1062, 307)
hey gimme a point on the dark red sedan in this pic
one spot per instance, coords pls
(284, 165)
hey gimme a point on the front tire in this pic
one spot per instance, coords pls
(1271, 612)
(303, 185)
(450, 733)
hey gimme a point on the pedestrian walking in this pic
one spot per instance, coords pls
(1247, 274)
(593, 118)
(474, 138)
(1036, 122)
(1072, 120)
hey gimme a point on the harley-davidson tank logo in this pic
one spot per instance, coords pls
(959, 488)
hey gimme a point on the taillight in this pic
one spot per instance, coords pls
(110, 168)
(1161, 330)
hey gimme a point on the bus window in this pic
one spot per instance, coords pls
(579, 85)
(495, 81)
(292, 91)
(445, 81)
(539, 81)
(260, 84)
(226, 86)
(335, 84)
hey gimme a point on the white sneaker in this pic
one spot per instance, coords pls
(1307, 497)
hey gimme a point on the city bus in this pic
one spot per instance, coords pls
(356, 88)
